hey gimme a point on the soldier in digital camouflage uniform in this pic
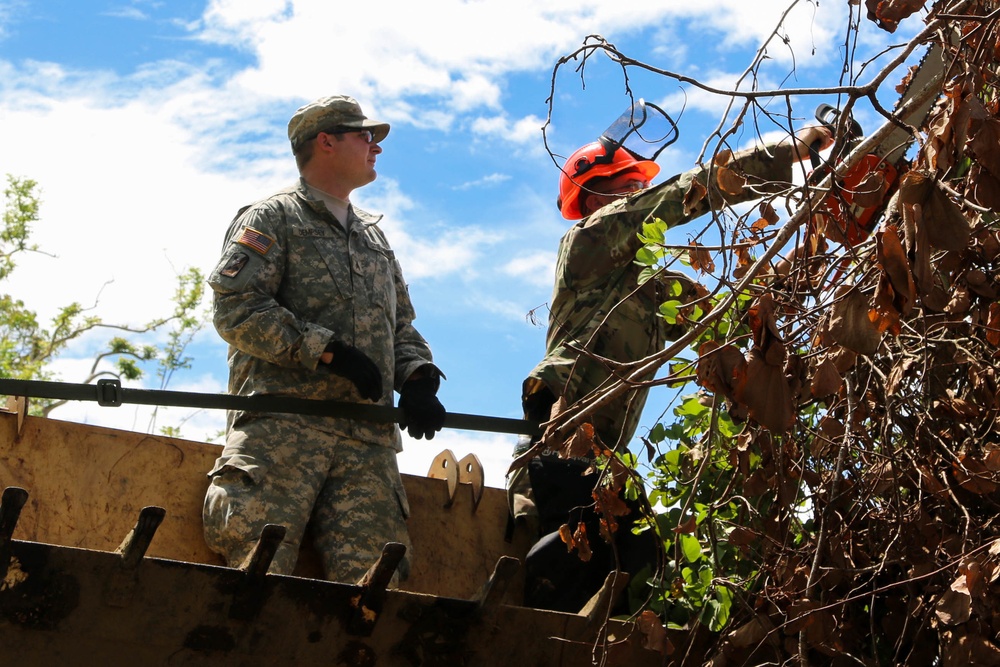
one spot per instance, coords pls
(312, 302)
(598, 306)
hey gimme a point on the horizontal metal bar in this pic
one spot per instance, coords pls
(111, 394)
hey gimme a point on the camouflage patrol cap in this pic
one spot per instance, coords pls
(337, 112)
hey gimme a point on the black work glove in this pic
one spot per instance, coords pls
(423, 414)
(351, 363)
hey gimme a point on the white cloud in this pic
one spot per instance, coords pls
(489, 180)
(454, 251)
(8, 12)
(809, 28)
(475, 91)
(237, 21)
(133, 13)
(536, 268)
(308, 47)
(509, 310)
(126, 202)
(428, 251)
(526, 131)
(496, 126)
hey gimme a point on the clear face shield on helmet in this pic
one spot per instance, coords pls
(644, 130)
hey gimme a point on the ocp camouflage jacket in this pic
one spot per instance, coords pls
(290, 280)
(597, 304)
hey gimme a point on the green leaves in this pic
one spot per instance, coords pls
(27, 347)
(695, 484)
(20, 213)
(653, 237)
(717, 611)
(670, 311)
(655, 256)
(654, 232)
(690, 547)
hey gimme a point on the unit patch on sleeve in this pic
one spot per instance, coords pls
(234, 265)
(255, 240)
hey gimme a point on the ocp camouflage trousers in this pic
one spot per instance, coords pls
(347, 493)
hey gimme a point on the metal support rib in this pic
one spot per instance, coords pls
(250, 596)
(135, 544)
(368, 605)
(470, 471)
(132, 549)
(492, 593)
(445, 466)
(598, 608)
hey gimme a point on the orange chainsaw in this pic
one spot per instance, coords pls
(859, 195)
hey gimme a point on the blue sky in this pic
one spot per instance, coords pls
(148, 124)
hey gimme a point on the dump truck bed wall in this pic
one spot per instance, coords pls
(81, 583)
(63, 606)
(87, 485)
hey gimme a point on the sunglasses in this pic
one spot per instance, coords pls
(365, 134)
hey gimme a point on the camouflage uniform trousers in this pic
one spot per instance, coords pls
(520, 499)
(279, 471)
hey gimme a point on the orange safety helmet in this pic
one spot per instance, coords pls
(590, 162)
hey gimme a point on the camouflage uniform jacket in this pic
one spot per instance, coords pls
(290, 280)
(597, 303)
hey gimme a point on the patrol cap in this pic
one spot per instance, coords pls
(337, 112)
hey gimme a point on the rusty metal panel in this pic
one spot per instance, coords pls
(87, 484)
(63, 606)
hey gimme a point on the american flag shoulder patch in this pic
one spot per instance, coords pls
(255, 240)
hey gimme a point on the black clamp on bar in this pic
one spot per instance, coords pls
(109, 393)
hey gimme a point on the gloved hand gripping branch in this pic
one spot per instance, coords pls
(423, 414)
(351, 363)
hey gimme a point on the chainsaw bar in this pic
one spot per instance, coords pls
(877, 160)
(924, 82)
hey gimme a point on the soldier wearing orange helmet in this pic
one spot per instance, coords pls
(600, 316)
(594, 174)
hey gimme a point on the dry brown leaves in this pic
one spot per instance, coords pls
(888, 13)
(576, 539)
(848, 324)
(654, 633)
(694, 197)
(700, 258)
(757, 384)
(903, 361)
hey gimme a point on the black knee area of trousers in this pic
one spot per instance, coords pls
(556, 578)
